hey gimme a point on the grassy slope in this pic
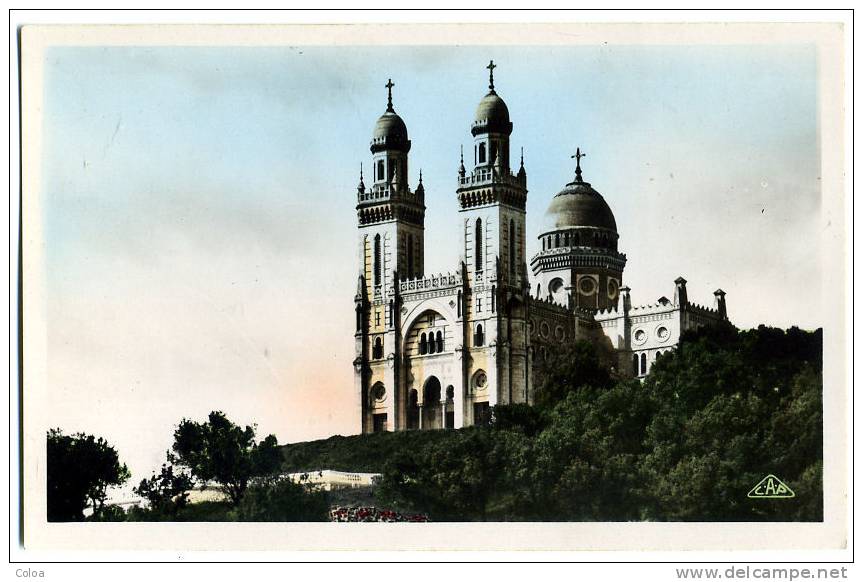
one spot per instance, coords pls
(362, 453)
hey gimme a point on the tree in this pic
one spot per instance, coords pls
(733, 407)
(221, 451)
(528, 419)
(167, 492)
(473, 474)
(280, 499)
(568, 367)
(81, 467)
(587, 459)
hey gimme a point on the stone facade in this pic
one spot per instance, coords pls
(438, 351)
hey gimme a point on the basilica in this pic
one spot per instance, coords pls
(438, 351)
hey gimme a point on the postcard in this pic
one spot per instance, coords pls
(435, 287)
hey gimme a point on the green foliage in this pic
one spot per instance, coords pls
(280, 499)
(456, 478)
(586, 464)
(221, 451)
(81, 467)
(205, 511)
(109, 513)
(365, 453)
(713, 418)
(167, 492)
(528, 419)
(568, 368)
(734, 407)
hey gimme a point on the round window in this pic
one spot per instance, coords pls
(612, 288)
(481, 381)
(662, 333)
(587, 285)
(379, 392)
(543, 329)
(555, 285)
(640, 336)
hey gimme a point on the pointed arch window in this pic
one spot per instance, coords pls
(380, 169)
(458, 306)
(482, 153)
(493, 298)
(478, 244)
(431, 343)
(439, 342)
(377, 260)
(643, 364)
(635, 364)
(556, 240)
(423, 345)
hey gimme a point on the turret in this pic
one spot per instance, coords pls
(719, 303)
(680, 297)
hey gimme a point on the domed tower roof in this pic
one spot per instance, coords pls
(492, 114)
(579, 205)
(390, 131)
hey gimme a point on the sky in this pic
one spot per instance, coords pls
(200, 224)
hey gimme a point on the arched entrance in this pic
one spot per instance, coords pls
(432, 412)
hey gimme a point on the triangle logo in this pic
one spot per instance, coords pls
(771, 487)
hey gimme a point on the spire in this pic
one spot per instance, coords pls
(461, 170)
(578, 155)
(389, 87)
(491, 67)
(420, 188)
(362, 186)
(522, 175)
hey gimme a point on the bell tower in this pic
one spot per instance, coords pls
(492, 221)
(391, 244)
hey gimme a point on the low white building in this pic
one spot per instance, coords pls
(328, 479)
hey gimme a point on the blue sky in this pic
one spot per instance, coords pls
(200, 223)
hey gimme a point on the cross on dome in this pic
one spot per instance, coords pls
(491, 67)
(577, 156)
(389, 87)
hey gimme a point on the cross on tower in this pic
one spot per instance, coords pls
(491, 67)
(578, 155)
(389, 87)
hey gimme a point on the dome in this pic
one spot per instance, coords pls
(390, 133)
(492, 108)
(492, 115)
(576, 206)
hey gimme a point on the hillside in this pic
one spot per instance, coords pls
(362, 453)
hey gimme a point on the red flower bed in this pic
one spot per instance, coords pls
(373, 514)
